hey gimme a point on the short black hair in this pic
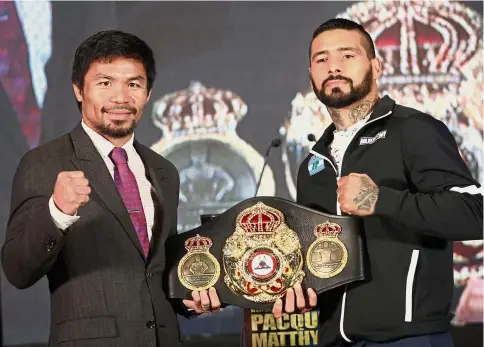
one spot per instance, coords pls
(346, 24)
(108, 45)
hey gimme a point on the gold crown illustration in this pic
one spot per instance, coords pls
(426, 42)
(198, 110)
(260, 219)
(198, 243)
(327, 229)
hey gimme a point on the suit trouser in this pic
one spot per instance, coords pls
(436, 340)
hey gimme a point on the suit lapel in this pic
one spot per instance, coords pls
(89, 161)
(165, 186)
(161, 186)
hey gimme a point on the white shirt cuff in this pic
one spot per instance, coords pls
(61, 220)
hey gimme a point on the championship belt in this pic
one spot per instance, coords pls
(253, 252)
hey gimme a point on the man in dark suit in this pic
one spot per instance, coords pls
(92, 210)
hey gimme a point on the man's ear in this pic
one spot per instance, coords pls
(377, 67)
(77, 92)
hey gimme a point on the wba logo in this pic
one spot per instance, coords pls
(371, 140)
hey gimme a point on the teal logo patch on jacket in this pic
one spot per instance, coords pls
(315, 165)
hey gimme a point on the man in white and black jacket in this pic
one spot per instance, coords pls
(400, 170)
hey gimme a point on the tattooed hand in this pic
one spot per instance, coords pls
(357, 194)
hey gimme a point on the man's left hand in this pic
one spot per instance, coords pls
(204, 301)
(357, 194)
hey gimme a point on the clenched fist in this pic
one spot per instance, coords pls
(71, 191)
(357, 194)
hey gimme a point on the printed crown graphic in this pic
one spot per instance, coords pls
(198, 243)
(327, 229)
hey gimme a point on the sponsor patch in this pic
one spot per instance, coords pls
(371, 140)
(315, 165)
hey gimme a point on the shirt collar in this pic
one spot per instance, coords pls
(104, 146)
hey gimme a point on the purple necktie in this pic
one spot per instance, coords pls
(128, 188)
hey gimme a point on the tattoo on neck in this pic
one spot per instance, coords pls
(360, 111)
(336, 117)
(354, 114)
(366, 198)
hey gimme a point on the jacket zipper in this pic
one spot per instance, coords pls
(338, 210)
(337, 172)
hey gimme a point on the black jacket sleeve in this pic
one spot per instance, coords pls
(444, 200)
(32, 240)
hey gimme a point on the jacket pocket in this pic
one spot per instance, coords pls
(86, 328)
(409, 287)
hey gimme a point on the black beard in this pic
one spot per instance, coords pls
(117, 132)
(337, 98)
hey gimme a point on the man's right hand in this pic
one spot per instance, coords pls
(295, 301)
(71, 191)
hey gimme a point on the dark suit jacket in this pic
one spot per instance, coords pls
(104, 292)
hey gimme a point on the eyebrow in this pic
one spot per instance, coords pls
(100, 75)
(341, 49)
(134, 78)
(139, 78)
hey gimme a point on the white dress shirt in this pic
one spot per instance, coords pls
(104, 147)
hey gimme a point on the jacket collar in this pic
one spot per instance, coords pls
(383, 107)
(85, 149)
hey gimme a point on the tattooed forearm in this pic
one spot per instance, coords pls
(367, 196)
